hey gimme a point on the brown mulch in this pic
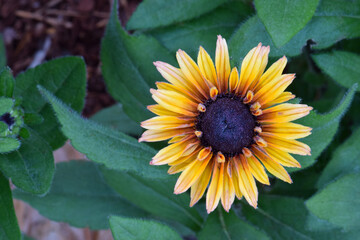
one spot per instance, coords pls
(59, 28)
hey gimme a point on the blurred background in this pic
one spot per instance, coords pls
(38, 30)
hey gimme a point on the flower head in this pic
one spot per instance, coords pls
(225, 128)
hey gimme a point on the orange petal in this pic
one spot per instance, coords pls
(228, 193)
(234, 79)
(234, 177)
(222, 63)
(216, 187)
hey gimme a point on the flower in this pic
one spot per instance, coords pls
(224, 128)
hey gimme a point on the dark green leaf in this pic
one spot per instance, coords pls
(324, 128)
(343, 67)
(6, 105)
(288, 218)
(222, 225)
(283, 18)
(6, 83)
(345, 159)
(339, 202)
(31, 167)
(104, 145)
(2, 53)
(115, 117)
(127, 66)
(9, 228)
(79, 196)
(8, 144)
(156, 13)
(154, 196)
(138, 229)
(66, 78)
(202, 31)
(33, 119)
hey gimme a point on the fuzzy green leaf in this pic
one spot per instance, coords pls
(339, 202)
(79, 196)
(6, 83)
(8, 144)
(203, 31)
(66, 78)
(157, 13)
(115, 117)
(285, 218)
(283, 19)
(345, 159)
(31, 167)
(127, 66)
(222, 225)
(154, 196)
(138, 229)
(343, 67)
(324, 128)
(9, 228)
(104, 145)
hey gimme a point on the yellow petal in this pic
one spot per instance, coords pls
(161, 111)
(167, 122)
(274, 71)
(258, 170)
(234, 178)
(246, 180)
(283, 97)
(216, 187)
(287, 130)
(190, 175)
(228, 193)
(234, 80)
(206, 66)
(222, 63)
(287, 145)
(282, 157)
(285, 112)
(199, 187)
(160, 135)
(272, 166)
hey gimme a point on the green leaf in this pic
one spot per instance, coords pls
(127, 66)
(288, 218)
(2, 53)
(154, 196)
(31, 167)
(222, 225)
(324, 128)
(115, 117)
(283, 19)
(6, 83)
(9, 228)
(80, 197)
(343, 67)
(6, 105)
(104, 145)
(66, 78)
(33, 119)
(8, 144)
(345, 159)
(325, 28)
(156, 13)
(202, 31)
(138, 229)
(339, 202)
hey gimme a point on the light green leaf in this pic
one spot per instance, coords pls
(325, 29)
(31, 167)
(104, 145)
(203, 31)
(222, 225)
(154, 196)
(324, 128)
(138, 229)
(127, 66)
(66, 78)
(2, 53)
(283, 18)
(8, 144)
(6, 105)
(339, 202)
(9, 228)
(6, 83)
(345, 159)
(287, 218)
(156, 13)
(115, 117)
(79, 196)
(343, 67)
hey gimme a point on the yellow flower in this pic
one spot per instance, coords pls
(225, 128)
